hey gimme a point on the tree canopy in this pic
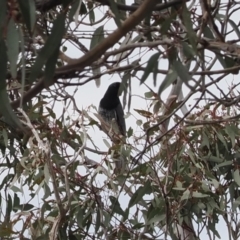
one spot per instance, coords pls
(181, 179)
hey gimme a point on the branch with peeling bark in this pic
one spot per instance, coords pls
(46, 5)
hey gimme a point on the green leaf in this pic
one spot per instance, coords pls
(236, 204)
(106, 218)
(83, 9)
(98, 220)
(205, 140)
(212, 227)
(157, 218)
(9, 206)
(91, 12)
(157, 106)
(151, 67)
(96, 73)
(106, 143)
(208, 33)
(116, 208)
(130, 132)
(213, 159)
(231, 130)
(199, 195)
(47, 191)
(138, 195)
(74, 7)
(51, 112)
(7, 178)
(144, 113)
(113, 7)
(16, 203)
(12, 47)
(185, 195)
(51, 46)
(16, 189)
(5, 108)
(3, 64)
(181, 71)
(80, 215)
(223, 164)
(187, 50)
(234, 26)
(221, 138)
(168, 80)
(27, 207)
(229, 62)
(122, 14)
(236, 177)
(28, 10)
(5, 137)
(123, 234)
(165, 24)
(98, 36)
(189, 26)
(148, 94)
(3, 13)
(46, 173)
(50, 67)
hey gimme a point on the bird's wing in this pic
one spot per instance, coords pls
(120, 119)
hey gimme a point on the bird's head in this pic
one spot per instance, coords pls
(113, 90)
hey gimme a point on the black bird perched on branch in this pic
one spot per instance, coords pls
(111, 114)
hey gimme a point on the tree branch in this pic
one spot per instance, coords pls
(46, 5)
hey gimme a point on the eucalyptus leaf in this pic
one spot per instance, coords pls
(151, 67)
(28, 10)
(98, 36)
(12, 47)
(5, 108)
(51, 46)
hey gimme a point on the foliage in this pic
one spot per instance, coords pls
(183, 173)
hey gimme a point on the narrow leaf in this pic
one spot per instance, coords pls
(168, 80)
(138, 195)
(5, 108)
(96, 72)
(151, 66)
(28, 10)
(181, 71)
(143, 113)
(116, 208)
(3, 13)
(236, 177)
(98, 36)
(12, 47)
(51, 45)
(113, 7)
(50, 67)
(234, 26)
(91, 12)
(190, 32)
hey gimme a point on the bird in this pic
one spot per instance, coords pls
(112, 120)
(111, 114)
